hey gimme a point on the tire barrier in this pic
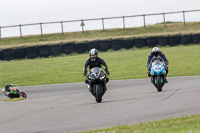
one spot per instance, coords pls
(152, 41)
(20, 53)
(8, 54)
(117, 44)
(104, 45)
(163, 40)
(32, 52)
(68, 48)
(44, 51)
(81, 47)
(56, 50)
(129, 43)
(174, 40)
(140, 42)
(1, 56)
(186, 39)
(92, 44)
(196, 38)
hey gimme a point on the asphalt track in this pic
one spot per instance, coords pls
(70, 107)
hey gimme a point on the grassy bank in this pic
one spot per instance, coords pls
(188, 124)
(123, 64)
(151, 30)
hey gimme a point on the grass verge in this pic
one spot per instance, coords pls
(187, 124)
(123, 64)
(150, 30)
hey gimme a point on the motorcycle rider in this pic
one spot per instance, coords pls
(95, 61)
(157, 53)
(10, 91)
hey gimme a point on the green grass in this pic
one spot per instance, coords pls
(151, 30)
(123, 64)
(187, 124)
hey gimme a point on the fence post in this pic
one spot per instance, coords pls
(103, 23)
(164, 19)
(124, 22)
(41, 29)
(184, 17)
(144, 21)
(0, 33)
(62, 27)
(20, 29)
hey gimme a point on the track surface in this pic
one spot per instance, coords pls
(70, 107)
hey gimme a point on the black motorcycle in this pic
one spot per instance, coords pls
(97, 81)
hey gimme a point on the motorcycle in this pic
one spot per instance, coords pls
(158, 73)
(14, 93)
(97, 80)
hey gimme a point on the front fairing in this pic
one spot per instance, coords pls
(157, 68)
(96, 74)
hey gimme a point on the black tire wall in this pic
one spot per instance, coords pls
(92, 44)
(81, 47)
(32, 52)
(44, 51)
(20, 53)
(56, 50)
(163, 40)
(129, 43)
(68, 48)
(186, 39)
(152, 41)
(196, 38)
(104, 45)
(8, 54)
(140, 42)
(117, 44)
(1, 56)
(174, 40)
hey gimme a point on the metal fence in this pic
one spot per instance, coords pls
(82, 24)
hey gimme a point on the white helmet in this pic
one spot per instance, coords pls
(155, 49)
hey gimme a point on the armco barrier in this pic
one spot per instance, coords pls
(8, 54)
(56, 49)
(129, 43)
(104, 45)
(140, 42)
(174, 40)
(20, 53)
(117, 44)
(196, 38)
(68, 48)
(186, 39)
(152, 41)
(81, 47)
(92, 44)
(163, 40)
(32, 52)
(44, 51)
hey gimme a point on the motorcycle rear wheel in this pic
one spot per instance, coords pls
(23, 95)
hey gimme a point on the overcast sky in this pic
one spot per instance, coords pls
(33, 11)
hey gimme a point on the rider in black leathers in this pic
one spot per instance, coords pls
(155, 53)
(95, 61)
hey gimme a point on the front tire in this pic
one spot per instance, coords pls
(98, 93)
(159, 84)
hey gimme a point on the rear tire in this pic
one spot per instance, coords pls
(98, 93)
(23, 95)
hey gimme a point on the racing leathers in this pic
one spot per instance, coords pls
(157, 54)
(99, 62)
